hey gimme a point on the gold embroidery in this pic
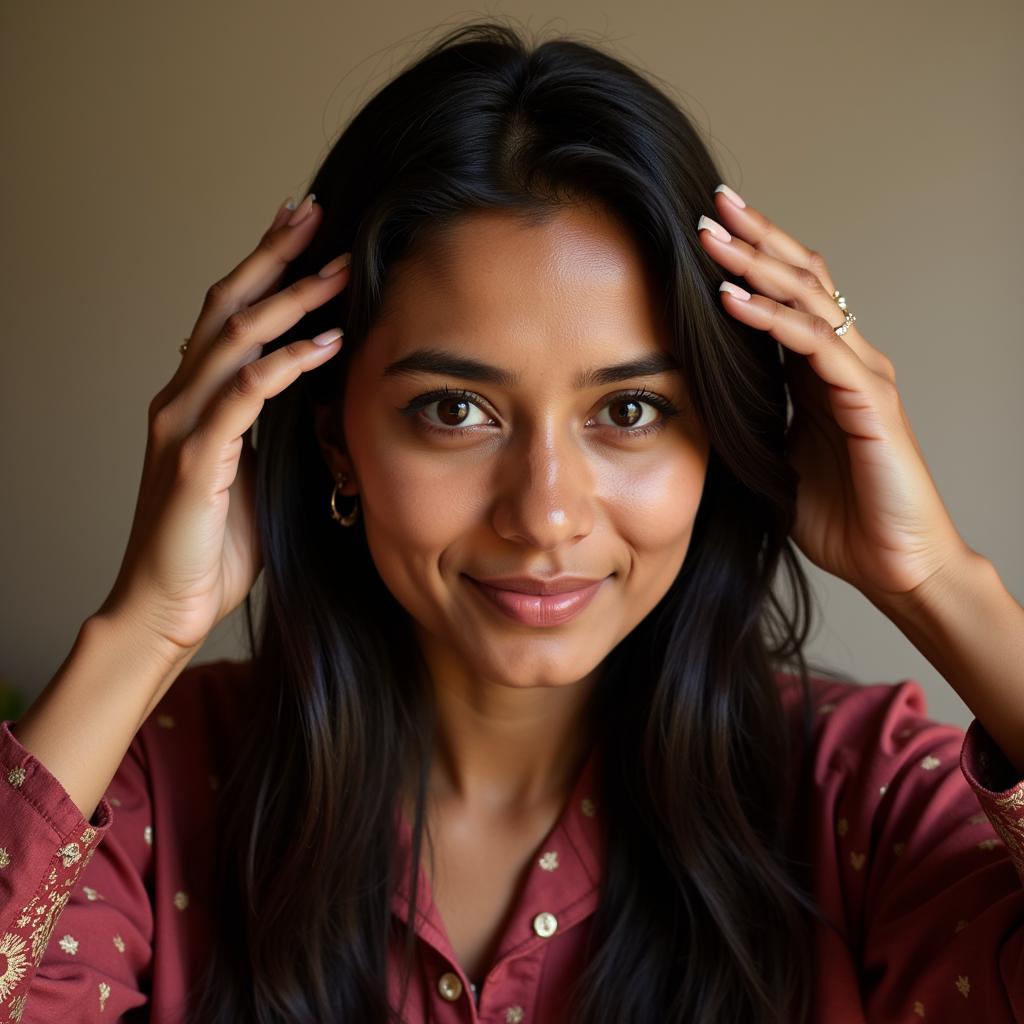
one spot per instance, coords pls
(91, 893)
(977, 819)
(826, 708)
(167, 721)
(588, 807)
(842, 827)
(12, 948)
(882, 789)
(857, 860)
(70, 854)
(18, 1006)
(930, 762)
(43, 930)
(147, 834)
(5, 858)
(988, 844)
(115, 802)
(514, 1015)
(181, 900)
(549, 861)
(919, 1008)
(69, 944)
(104, 994)
(963, 985)
(16, 776)
(89, 835)
(118, 943)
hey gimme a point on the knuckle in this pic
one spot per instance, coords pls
(238, 324)
(808, 280)
(217, 294)
(247, 381)
(886, 367)
(161, 417)
(816, 261)
(823, 330)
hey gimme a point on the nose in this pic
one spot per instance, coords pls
(544, 495)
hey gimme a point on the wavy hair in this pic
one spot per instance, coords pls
(704, 914)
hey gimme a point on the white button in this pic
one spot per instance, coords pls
(544, 924)
(449, 986)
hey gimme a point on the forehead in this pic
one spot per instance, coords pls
(575, 285)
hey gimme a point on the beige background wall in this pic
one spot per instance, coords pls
(146, 146)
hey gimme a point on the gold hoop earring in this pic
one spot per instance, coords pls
(349, 518)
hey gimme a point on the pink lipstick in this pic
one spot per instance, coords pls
(547, 604)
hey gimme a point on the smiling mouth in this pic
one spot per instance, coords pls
(538, 609)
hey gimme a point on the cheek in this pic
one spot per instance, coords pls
(653, 507)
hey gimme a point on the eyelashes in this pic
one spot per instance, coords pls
(665, 407)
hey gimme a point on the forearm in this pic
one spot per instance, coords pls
(971, 628)
(81, 725)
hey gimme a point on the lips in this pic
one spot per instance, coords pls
(546, 603)
(539, 585)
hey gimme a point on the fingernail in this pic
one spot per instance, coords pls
(282, 211)
(716, 229)
(329, 336)
(337, 264)
(734, 197)
(305, 208)
(734, 289)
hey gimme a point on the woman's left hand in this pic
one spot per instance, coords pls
(867, 509)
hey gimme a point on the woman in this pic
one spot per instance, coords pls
(519, 534)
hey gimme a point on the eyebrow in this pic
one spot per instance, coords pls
(432, 360)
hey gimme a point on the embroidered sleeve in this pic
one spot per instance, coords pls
(926, 826)
(76, 924)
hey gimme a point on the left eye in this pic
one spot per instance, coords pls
(630, 410)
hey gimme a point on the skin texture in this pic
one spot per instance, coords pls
(539, 477)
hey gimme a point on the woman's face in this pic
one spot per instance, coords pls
(537, 462)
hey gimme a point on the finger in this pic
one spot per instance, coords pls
(251, 279)
(784, 282)
(835, 362)
(212, 449)
(245, 333)
(754, 227)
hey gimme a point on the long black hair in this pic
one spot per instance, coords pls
(704, 914)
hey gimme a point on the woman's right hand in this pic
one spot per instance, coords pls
(193, 553)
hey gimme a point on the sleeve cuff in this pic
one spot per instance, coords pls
(38, 787)
(998, 787)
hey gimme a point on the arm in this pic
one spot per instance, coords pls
(54, 822)
(971, 628)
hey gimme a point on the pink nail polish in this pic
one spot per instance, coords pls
(734, 197)
(734, 289)
(305, 208)
(716, 229)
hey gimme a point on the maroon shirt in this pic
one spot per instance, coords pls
(915, 831)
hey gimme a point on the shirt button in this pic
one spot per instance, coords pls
(449, 986)
(544, 924)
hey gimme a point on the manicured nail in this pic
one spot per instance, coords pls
(734, 197)
(282, 212)
(716, 229)
(328, 337)
(305, 208)
(337, 264)
(734, 289)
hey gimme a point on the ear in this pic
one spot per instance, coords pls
(327, 426)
